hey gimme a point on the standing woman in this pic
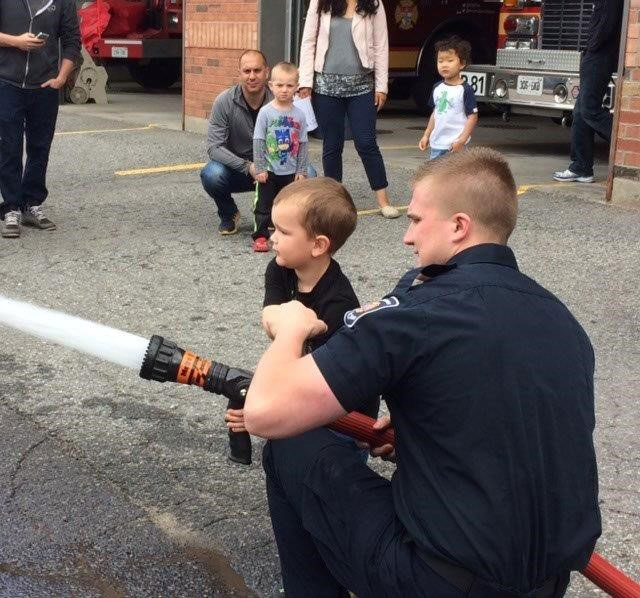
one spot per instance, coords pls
(344, 58)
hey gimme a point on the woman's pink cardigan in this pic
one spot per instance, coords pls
(369, 35)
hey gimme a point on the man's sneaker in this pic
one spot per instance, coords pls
(34, 216)
(571, 177)
(260, 245)
(229, 226)
(11, 225)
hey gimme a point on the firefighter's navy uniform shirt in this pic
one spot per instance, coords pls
(489, 381)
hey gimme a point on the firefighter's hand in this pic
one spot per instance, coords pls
(386, 452)
(423, 144)
(235, 420)
(304, 92)
(457, 145)
(381, 98)
(27, 41)
(56, 83)
(291, 317)
(262, 177)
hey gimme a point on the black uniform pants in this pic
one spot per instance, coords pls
(335, 526)
(25, 115)
(265, 195)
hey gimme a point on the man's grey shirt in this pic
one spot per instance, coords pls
(230, 134)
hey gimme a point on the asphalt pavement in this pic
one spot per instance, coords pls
(113, 486)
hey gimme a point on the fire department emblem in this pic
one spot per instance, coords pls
(406, 14)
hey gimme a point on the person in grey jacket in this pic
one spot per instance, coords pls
(230, 138)
(39, 46)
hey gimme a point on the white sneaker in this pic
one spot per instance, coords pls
(571, 177)
(11, 224)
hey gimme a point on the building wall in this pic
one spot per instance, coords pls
(626, 184)
(216, 33)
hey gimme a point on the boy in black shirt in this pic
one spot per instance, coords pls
(313, 218)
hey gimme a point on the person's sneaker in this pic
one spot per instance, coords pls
(11, 225)
(571, 177)
(229, 226)
(260, 245)
(34, 216)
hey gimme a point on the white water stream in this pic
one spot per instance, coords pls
(89, 337)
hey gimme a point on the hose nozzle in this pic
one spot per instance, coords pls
(164, 361)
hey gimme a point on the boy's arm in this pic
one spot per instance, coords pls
(424, 142)
(260, 155)
(467, 130)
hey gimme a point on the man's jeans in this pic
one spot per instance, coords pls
(220, 181)
(25, 114)
(589, 117)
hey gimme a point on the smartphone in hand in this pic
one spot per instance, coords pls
(42, 35)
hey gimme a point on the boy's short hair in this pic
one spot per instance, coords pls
(480, 184)
(285, 67)
(460, 46)
(326, 207)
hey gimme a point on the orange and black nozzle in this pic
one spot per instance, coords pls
(164, 361)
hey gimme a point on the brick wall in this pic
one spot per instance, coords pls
(216, 33)
(626, 185)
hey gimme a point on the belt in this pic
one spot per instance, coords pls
(463, 579)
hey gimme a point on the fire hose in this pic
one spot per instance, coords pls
(164, 361)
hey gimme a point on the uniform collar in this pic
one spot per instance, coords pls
(487, 253)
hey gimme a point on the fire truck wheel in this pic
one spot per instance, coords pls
(156, 73)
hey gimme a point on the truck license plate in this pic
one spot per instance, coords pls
(529, 86)
(477, 81)
(119, 52)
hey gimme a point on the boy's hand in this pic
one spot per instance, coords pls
(235, 420)
(300, 176)
(262, 177)
(457, 145)
(386, 452)
(291, 316)
(423, 144)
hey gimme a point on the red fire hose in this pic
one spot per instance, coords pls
(598, 570)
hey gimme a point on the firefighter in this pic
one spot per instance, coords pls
(489, 382)
(598, 61)
(35, 36)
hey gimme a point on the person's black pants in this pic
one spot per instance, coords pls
(335, 526)
(589, 117)
(362, 115)
(265, 195)
(25, 114)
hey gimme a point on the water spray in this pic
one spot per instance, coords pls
(162, 360)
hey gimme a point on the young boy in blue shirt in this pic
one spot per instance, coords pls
(455, 111)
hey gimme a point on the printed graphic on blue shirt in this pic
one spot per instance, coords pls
(283, 132)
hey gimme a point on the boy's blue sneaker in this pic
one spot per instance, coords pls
(229, 226)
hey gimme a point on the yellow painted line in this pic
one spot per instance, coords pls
(525, 188)
(377, 211)
(161, 169)
(93, 131)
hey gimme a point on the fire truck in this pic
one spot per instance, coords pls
(537, 66)
(145, 35)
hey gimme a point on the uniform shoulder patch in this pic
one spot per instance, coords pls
(351, 317)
